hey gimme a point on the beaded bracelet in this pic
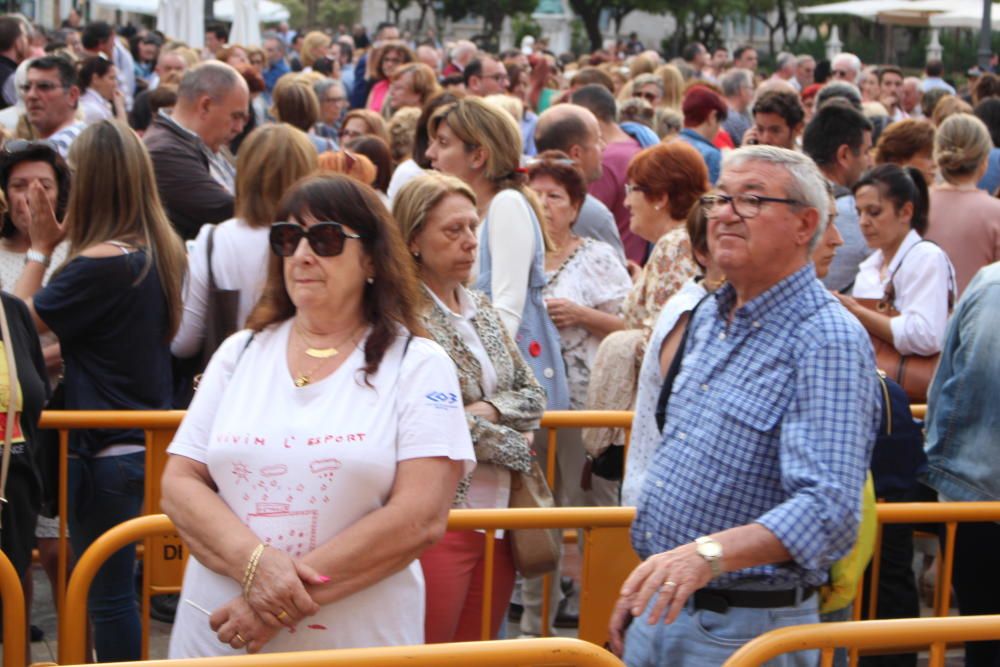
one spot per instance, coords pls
(251, 569)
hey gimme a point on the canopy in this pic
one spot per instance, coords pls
(246, 22)
(268, 11)
(918, 13)
(180, 19)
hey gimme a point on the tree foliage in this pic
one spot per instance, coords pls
(492, 12)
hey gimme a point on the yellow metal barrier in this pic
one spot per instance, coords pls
(608, 558)
(872, 635)
(542, 652)
(15, 636)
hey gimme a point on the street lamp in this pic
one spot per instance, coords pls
(985, 48)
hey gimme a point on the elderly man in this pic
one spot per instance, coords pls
(194, 171)
(737, 86)
(460, 56)
(575, 131)
(805, 72)
(277, 66)
(784, 68)
(50, 100)
(846, 67)
(756, 489)
(910, 96)
(170, 67)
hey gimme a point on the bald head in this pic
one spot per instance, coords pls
(213, 102)
(573, 130)
(213, 79)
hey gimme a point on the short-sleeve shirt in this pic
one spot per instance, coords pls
(110, 315)
(299, 465)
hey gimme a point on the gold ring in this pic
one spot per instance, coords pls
(668, 585)
(281, 614)
(240, 637)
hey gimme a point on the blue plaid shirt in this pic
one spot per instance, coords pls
(772, 420)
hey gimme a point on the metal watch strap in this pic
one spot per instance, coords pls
(714, 562)
(35, 256)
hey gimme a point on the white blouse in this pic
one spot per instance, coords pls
(923, 279)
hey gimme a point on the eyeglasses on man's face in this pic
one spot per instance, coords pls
(745, 206)
(41, 86)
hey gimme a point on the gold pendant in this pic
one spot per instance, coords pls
(301, 381)
(321, 353)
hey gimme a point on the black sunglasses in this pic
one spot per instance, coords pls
(325, 238)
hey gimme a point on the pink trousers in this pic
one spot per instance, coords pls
(453, 572)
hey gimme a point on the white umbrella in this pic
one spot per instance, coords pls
(246, 22)
(267, 12)
(866, 9)
(966, 17)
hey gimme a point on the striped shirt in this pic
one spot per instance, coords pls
(771, 420)
(65, 137)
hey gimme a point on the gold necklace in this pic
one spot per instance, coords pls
(305, 378)
(312, 350)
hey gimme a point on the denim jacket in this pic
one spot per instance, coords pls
(963, 450)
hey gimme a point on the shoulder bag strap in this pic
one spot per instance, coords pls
(889, 296)
(12, 392)
(209, 243)
(675, 367)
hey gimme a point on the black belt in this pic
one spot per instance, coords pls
(720, 601)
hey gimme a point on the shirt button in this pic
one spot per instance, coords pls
(704, 387)
(722, 336)
(549, 373)
(659, 484)
(757, 325)
(649, 535)
(682, 436)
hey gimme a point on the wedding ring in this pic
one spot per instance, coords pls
(668, 586)
(240, 638)
(282, 614)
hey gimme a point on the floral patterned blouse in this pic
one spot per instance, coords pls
(593, 276)
(670, 265)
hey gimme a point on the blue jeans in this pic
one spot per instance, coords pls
(104, 492)
(703, 638)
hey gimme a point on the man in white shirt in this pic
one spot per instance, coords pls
(50, 100)
(785, 67)
(805, 72)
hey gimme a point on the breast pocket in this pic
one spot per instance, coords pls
(757, 405)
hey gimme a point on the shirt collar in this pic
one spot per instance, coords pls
(693, 134)
(467, 309)
(778, 298)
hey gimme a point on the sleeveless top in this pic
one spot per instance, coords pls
(537, 338)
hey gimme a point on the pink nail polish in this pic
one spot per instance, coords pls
(323, 579)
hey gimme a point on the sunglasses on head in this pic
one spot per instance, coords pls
(325, 238)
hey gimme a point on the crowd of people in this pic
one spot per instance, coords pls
(409, 249)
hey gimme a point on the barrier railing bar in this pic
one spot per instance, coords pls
(890, 634)
(486, 621)
(945, 571)
(62, 564)
(15, 635)
(556, 651)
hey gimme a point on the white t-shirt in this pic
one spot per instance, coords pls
(300, 465)
(239, 261)
(922, 285)
(404, 173)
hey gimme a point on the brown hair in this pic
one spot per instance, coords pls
(374, 122)
(294, 102)
(389, 301)
(697, 229)
(903, 139)
(402, 129)
(560, 168)
(588, 75)
(674, 169)
(276, 156)
(374, 68)
(414, 202)
(947, 106)
(961, 145)
(377, 151)
(424, 83)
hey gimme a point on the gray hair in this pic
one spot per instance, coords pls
(275, 36)
(850, 60)
(804, 58)
(841, 89)
(806, 183)
(323, 86)
(735, 80)
(647, 79)
(212, 78)
(785, 59)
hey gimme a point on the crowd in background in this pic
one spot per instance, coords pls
(554, 209)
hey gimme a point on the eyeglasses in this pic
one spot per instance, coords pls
(42, 86)
(334, 99)
(649, 97)
(391, 59)
(325, 238)
(745, 206)
(499, 78)
(350, 134)
(631, 187)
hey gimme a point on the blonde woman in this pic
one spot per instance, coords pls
(438, 218)
(480, 144)
(964, 220)
(115, 304)
(673, 87)
(276, 157)
(315, 45)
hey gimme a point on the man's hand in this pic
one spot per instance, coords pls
(673, 575)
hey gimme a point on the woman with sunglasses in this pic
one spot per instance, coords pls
(114, 305)
(323, 447)
(501, 398)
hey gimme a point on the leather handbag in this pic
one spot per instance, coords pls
(220, 312)
(913, 372)
(536, 551)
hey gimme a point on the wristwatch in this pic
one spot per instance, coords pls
(35, 256)
(711, 551)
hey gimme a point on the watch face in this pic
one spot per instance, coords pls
(710, 549)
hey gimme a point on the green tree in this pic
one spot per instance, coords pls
(493, 12)
(396, 7)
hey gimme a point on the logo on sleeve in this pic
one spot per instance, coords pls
(443, 400)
